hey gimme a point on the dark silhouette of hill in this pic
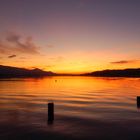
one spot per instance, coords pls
(14, 72)
(8, 71)
(116, 73)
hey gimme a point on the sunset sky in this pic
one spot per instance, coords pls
(70, 36)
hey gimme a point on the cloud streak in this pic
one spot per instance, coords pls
(57, 59)
(12, 56)
(124, 62)
(15, 44)
(50, 46)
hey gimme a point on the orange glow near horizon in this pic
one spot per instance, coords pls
(75, 63)
(74, 66)
(67, 38)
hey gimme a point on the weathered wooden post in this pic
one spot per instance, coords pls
(50, 112)
(138, 101)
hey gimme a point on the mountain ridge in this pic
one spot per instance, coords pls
(129, 72)
(15, 72)
(9, 71)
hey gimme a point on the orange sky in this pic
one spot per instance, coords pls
(70, 37)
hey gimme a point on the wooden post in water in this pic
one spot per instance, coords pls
(50, 112)
(138, 101)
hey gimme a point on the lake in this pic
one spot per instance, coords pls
(85, 108)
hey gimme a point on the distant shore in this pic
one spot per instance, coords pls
(116, 73)
(15, 72)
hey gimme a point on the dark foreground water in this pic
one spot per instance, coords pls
(85, 108)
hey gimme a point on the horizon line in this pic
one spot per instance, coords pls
(70, 73)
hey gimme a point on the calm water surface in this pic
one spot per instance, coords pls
(85, 107)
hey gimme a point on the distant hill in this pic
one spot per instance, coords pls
(14, 72)
(7, 72)
(116, 73)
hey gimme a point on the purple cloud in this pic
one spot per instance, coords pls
(12, 56)
(14, 43)
(124, 62)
